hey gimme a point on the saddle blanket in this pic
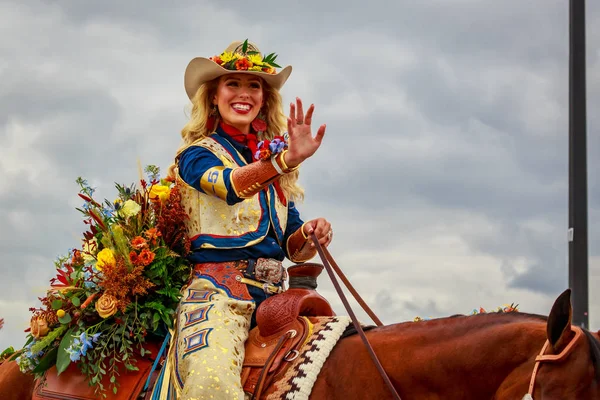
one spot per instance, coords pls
(300, 377)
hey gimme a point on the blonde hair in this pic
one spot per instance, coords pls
(197, 128)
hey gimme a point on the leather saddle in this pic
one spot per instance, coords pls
(73, 385)
(282, 328)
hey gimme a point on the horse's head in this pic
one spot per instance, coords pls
(568, 367)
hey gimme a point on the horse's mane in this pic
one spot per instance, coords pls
(594, 351)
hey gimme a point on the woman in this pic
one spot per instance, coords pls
(238, 178)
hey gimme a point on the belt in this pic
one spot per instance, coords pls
(269, 289)
(265, 273)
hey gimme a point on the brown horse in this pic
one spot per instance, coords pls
(485, 356)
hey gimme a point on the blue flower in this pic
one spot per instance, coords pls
(74, 356)
(86, 343)
(277, 145)
(95, 337)
(74, 350)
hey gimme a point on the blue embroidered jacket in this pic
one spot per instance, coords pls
(193, 163)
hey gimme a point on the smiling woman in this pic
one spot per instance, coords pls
(238, 172)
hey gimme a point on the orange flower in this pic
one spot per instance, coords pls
(145, 257)
(242, 64)
(139, 243)
(152, 235)
(106, 305)
(77, 258)
(133, 257)
(39, 327)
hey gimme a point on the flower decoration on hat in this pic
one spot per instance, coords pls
(246, 58)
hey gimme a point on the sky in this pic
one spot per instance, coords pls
(444, 168)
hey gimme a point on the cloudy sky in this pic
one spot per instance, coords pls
(444, 166)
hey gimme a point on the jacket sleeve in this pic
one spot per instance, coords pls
(296, 244)
(205, 172)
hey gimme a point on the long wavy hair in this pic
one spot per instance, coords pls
(198, 128)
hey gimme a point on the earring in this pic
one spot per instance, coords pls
(259, 123)
(212, 118)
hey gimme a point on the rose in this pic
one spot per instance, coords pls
(129, 209)
(160, 192)
(106, 305)
(39, 327)
(106, 258)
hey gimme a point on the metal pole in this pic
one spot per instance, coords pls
(578, 207)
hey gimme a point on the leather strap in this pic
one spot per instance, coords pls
(326, 257)
(261, 384)
(353, 291)
(543, 357)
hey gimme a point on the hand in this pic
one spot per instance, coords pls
(301, 143)
(322, 229)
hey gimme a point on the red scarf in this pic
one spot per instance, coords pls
(251, 141)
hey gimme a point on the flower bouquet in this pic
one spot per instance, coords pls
(120, 288)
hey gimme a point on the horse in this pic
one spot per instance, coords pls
(497, 356)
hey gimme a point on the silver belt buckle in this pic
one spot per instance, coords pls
(268, 270)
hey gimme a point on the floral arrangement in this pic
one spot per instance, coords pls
(247, 60)
(506, 308)
(266, 148)
(119, 289)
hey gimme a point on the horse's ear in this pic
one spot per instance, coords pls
(558, 328)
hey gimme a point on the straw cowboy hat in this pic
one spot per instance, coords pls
(238, 57)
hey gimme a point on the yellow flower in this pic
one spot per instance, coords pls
(255, 68)
(226, 56)
(60, 313)
(129, 209)
(255, 59)
(106, 258)
(161, 192)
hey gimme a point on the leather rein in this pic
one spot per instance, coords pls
(327, 259)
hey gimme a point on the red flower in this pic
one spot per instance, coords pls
(242, 64)
(217, 59)
(145, 257)
(264, 153)
(133, 257)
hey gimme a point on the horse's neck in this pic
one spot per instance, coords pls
(484, 348)
(473, 355)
